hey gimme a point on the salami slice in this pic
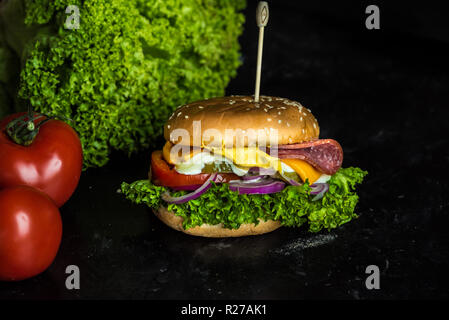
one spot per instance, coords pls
(326, 155)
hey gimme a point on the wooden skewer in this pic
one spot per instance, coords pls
(262, 15)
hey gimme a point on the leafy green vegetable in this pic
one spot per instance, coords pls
(293, 206)
(128, 66)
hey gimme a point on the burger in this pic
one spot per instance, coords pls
(233, 166)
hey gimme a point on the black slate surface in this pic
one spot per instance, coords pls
(382, 94)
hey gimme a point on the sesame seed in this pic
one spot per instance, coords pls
(187, 117)
(301, 119)
(265, 109)
(303, 131)
(200, 107)
(288, 124)
(268, 119)
(314, 125)
(179, 114)
(279, 121)
(168, 126)
(291, 103)
(279, 113)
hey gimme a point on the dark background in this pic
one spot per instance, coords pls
(383, 94)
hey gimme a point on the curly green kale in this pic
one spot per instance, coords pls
(128, 66)
(293, 206)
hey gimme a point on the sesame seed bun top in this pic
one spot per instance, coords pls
(293, 122)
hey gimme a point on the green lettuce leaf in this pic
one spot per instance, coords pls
(125, 70)
(293, 206)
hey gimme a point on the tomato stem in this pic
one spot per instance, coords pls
(24, 129)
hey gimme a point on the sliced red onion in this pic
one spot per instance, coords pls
(252, 178)
(294, 182)
(252, 182)
(257, 181)
(319, 189)
(190, 196)
(263, 187)
(291, 181)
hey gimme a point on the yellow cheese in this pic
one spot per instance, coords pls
(252, 157)
(166, 152)
(249, 157)
(303, 169)
(179, 157)
(245, 157)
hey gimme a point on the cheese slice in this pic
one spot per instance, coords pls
(303, 169)
(249, 157)
(244, 157)
(174, 159)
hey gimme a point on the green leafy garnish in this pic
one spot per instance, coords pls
(122, 73)
(293, 206)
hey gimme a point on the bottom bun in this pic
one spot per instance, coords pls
(215, 231)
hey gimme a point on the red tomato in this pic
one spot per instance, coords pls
(30, 232)
(52, 163)
(164, 175)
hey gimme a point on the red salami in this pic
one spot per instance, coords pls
(326, 155)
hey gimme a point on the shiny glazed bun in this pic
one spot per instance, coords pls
(293, 122)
